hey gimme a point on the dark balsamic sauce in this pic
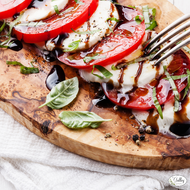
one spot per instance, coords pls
(49, 56)
(181, 129)
(55, 76)
(36, 4)
(101, 101)
(15, 45)
(59, 39)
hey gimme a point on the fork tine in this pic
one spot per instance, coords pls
(168, 28)
(173, 50)
(173, 42)
(169, 36)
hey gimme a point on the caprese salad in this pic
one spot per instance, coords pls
(104, 40)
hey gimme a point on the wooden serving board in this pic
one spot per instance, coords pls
(21, 95)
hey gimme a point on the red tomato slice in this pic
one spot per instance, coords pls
(58, 24)
(141, 98)
(10, 7)
(126, 38)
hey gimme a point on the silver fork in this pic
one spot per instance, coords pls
(169, 36)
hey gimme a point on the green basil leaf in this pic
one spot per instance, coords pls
(156, 103)
(81, 119)
(14, 63)
(103, 70)
(79, 2)
(28, 70)
(131, 6)
(188, 84)
(62, 94)
(87, 59)
(56, 9)
(113, 19)
(73, 46)
(153, 12)
(172, 83)
(139, 19)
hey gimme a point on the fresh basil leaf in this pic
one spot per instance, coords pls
(139, 19)
(79, 2)
(90, 32)
(87, 59)
(73, 46)
(81, 119)
(113, 19)
(103, 70)
(156, 103)
(172, 83)
(14, 63)
(56, 9)
(62, 94)
(28, 70)
(188, 84)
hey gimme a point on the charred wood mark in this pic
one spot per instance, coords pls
(45, 127)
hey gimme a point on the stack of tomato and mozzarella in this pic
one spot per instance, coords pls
(96, 37)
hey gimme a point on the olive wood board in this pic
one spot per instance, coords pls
(21, 95)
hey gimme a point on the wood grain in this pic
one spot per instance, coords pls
(21, 96)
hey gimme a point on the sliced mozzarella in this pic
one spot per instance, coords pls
(92, 31)
(42, 9)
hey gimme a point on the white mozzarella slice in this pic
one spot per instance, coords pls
(42, 10)
(92, 31)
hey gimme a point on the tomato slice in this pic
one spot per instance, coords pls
(10, 7)
(141, 98)
(73, 16)
(126, 38)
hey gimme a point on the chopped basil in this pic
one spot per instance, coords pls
(56, 9)
(90, 32)
(73, 46)
(177, 77)
(156, 103)
(113, 19)
(139, 19)
(79, 2)
(131, 6)
(28, 70)
(114, 68)
(172, 83)
(103, 70)
(137, 60)
(188, 84)
(81, 119)
(3, 26)
(186, 49)
(149, 17)
(24, 69)
(87, 59)
(174, 88)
